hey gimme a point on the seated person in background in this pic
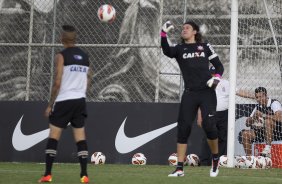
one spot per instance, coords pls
(265, 123)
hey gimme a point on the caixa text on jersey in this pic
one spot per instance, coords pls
(193, 55)
(76, 68)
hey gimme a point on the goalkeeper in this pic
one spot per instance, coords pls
(194, 57)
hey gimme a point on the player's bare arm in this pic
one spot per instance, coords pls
(245, 94)
(59, 61)
(276, 117)
(258, 114)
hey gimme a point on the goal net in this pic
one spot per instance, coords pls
(259, 65)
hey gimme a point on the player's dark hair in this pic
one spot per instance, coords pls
(68, 35)
(198, 36)
(260, 89)
(68, 28)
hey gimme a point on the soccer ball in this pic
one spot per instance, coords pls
(240, 161)
(268, 163)
(260, 162)
(259, 123)
(172, 159)
(139, 159)
(98, 158)
(250, 162)
(193, 160)
(107, 13)
(223, 161)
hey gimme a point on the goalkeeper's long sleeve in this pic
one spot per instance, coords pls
(194, 60)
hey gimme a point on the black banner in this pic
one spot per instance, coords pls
(149, 128)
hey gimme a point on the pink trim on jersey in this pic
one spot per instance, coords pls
(217, 75)
(163, 34)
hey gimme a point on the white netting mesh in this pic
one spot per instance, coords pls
(259, 46)
(128, 63)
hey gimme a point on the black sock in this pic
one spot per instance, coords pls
(82, 153)
(51, 151)
(179, 166)
(215, 160)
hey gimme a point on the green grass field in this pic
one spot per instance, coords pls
(26, 173)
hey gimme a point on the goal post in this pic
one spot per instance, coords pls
(232, 79)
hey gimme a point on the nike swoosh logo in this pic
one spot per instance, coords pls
(126, 144)
(23, 142)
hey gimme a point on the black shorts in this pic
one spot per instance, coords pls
(190, 103)
(69, 111)
(221, 121)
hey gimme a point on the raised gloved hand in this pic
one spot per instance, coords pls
(213, 82)
(167, 27)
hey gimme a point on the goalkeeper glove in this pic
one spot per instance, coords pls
(167, 27)
(213, 82)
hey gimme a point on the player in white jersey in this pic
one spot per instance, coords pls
(265, 123)
(67, 102)
(221, 116)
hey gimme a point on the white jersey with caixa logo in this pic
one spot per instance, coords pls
(222, 95)
(74, 79)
